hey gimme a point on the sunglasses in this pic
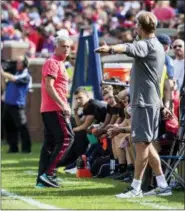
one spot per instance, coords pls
(175, 46)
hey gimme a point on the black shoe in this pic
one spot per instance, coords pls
(120, 176)
(13, 151)
(50, 180)
(116, 175)
(128, 177)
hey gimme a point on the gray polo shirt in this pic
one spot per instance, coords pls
(146, 72)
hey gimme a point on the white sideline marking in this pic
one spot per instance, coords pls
(29, 200)
(46, 206)
(149, 203)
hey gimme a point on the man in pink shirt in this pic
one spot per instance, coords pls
(55, 112)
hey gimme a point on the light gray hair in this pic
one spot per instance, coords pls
(60, 39)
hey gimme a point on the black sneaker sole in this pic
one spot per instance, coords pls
(48, 182)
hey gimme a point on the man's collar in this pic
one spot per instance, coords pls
(86, 104)
(59, 58)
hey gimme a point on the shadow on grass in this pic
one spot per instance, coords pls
(68, 190)
(65, 193)
(48, 193)
(24, 163)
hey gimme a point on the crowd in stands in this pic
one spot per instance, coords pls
(37, 22)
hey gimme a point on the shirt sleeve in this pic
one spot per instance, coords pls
(51, 68)
(128, 90)
(137, 49)
(22, 78)
(90, 110)
(109, 109)
(170, 67)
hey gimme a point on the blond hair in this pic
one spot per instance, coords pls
(147, 21)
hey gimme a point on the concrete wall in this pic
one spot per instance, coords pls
(34, 99)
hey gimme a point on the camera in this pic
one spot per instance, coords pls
(9, 66)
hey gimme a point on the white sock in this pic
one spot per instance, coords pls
(161, 181)
(136, 184)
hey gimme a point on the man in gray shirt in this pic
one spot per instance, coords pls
(145, 101)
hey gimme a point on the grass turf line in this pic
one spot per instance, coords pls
(75, 193)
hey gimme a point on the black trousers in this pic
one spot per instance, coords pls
(15, 124)
(2, 123)
(58, 135)
(77, 148)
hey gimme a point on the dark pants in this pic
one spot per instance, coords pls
(15, 123)
(76, 149)
(2, 123)
(58, 135)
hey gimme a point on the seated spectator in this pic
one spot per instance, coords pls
(112, 111)
(9, 33)
(32, 47)
(129, 21)
(94, 111)
(48, 43)
(164, 12)
(120, 135)
(126, 36)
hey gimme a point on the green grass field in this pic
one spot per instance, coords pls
(19, 174)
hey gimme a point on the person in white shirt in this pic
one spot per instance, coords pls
(178, 47)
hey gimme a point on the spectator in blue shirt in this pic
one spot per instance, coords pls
(14, 116)
(166, 42)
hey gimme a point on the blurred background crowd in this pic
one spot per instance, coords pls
(38, 22)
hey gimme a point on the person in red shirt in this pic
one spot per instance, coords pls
(55, 112)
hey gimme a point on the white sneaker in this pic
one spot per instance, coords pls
(130, 193)
(71, 171)
(159, 191)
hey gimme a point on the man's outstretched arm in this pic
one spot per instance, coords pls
(136, 49)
